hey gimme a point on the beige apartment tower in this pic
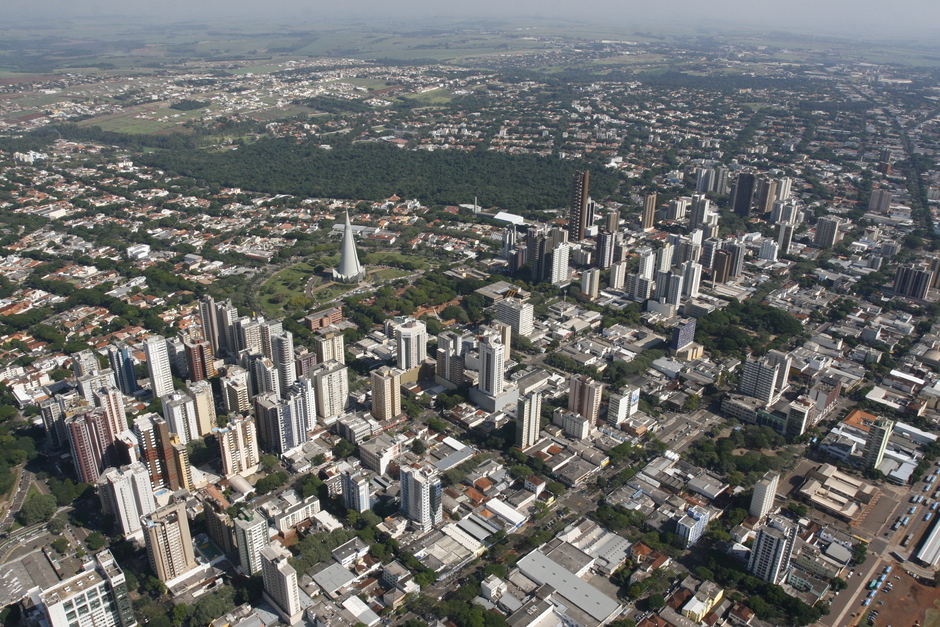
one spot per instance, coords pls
(169, 544)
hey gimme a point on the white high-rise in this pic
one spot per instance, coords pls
(492, 364)
(691, 279)
(560, 255)
(127, 494)
(411, 339)
(238, 443)
(235, 393)
(204, 404)
(421, 496)
(765, 491)
(180, 412)
(768, 250)
(158, 365)
(772, 550)
(618, 274)
(623, 405)
(357, 491)
(282, 354)
(251, 536)
(647, 268)
(280, 582)
(528, 420)
(331, 381)
(517, 314)
(95, 597)
(329, 345)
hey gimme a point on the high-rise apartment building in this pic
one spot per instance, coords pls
(156, 451)
(768, 250)
(235, 394)
(578, 214)
(584, 396)
(765, 491)
(649, 212)
(91, 441)
(203, 405)
(421, 496)
(158, 365)
(238, 443)
(122, 364)
(282, 355)
(691, 279)
(912, 281)
(492, 365)
(698, 214)
(199, 359)
(623, 405)
(550, 254)
(877, 441)
(450, 361)
(721, 266)
(248, 335)
(618, 275)
(772, 550)
(331, 381)
(785, 231)
(357, 491)
(742, 193)
(411, 339)
(111, 400)
(251, 536)
(880, 200)
(765, 194)
(95, 597)
(269, 329)
(283, 423)
(91, 382)
(528, 420)
(647, 267)
(692, 525)
(604, 250)
(179, 409)
(169, 543)
(386, 393)
(591, 283)
(517, 314)
(328, 345)
(827, 232)
(766, 378)
(127, 494)
(280, 583)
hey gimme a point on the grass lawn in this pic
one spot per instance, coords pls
(33, 490)
(282, 287)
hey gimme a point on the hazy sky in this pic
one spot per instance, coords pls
(866, 18)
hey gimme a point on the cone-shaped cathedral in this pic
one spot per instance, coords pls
(349, 269)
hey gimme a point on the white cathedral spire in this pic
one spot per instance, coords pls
(349, 269)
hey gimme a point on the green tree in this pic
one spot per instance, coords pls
(37, 508)
(95, 541)
(343, 449)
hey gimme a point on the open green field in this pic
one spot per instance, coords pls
(387, 274)
(435, 96)
(279, 291)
